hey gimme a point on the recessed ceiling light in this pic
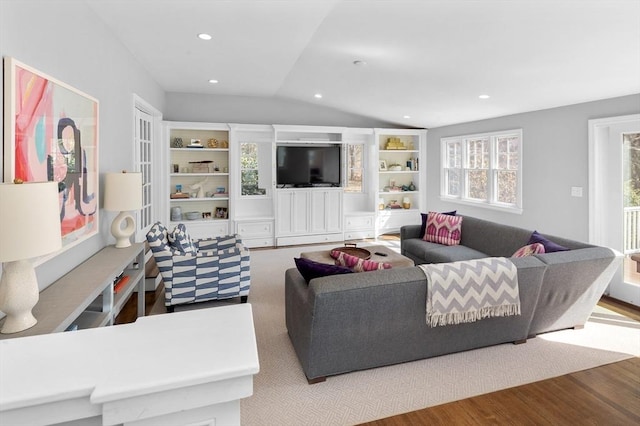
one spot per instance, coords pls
(213, 81)
(406, 116)
(318, 96)
(359, 63)
(484, 96)
(204, 36)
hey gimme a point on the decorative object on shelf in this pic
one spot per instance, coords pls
(178, 189)
(406, 203)
(177, 143)
(395, 167)
(206, 215)
(412, 187)
(221, 212)
(383, 166)
(393, 204)
(123, 193)
(52, 135)
(380, 203)
(220, 190)
(212, 143)
(176, 214)
(395, 144)
(224, 144)
(25, 232)
(176, 168)
(195, 143)
(199, 186)
(192, 215)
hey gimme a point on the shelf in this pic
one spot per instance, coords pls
(188, 200)
(397, 192)
(198, 174)
(200, 149)
(91, 319)
(186, 221)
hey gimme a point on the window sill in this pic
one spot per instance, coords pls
(482, 204)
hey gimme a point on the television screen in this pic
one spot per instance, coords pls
(308, 165)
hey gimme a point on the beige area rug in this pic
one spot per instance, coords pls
(283, 397)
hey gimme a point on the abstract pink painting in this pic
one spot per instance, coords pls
(51, 134)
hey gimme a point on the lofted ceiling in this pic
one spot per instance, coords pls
(426, 59)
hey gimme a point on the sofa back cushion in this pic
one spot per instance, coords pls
(492, 238)
(443, 229)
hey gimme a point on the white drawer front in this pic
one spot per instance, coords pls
(254, 229)
(359, 222)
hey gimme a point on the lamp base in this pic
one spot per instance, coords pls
(18, 295)
(122, 233)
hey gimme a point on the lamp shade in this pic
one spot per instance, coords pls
(123, 191)
(29, 220)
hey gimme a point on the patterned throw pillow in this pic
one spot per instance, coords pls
(180, 240)
(443, 229)
(549, 246)
(356, 263)
(310, 269)
(423, 226)
(529, 249)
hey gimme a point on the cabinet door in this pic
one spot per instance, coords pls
(293, 212)
(326, 211)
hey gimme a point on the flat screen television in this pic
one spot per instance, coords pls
(309, 165)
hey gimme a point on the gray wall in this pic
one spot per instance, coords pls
(65, 40)
(255, 110)
(555, 158)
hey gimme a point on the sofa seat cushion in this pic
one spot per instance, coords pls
(439, 253)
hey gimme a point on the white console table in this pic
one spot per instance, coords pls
(85, 297)
(197, 366)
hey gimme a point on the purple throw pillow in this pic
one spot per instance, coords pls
(310, 269)
(549, 246)
(423, 227)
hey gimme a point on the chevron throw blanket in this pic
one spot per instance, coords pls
(470, 290)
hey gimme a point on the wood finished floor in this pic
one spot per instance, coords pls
(606, 395)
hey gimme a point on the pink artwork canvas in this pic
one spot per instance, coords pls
(53, 136)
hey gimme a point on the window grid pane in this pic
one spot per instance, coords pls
(355, 170)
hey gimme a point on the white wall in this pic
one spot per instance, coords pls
(256, 110)
(555, 158)
(65, 40)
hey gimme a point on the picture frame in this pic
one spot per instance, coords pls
(51, 134)
(383, 166)
(221, 213)
(206, 215)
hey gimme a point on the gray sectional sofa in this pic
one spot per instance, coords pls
(350, 322)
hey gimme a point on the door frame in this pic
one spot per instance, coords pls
(601, 155)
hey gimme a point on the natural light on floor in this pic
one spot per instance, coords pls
(614, 332)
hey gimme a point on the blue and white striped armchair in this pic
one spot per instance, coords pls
(199, 270)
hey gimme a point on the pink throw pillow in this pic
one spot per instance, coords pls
(529, 249)
(443, 229)
(357, 264)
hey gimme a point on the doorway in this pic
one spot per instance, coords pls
(614, 197)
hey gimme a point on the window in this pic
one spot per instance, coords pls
(355, 167)
(484, 169)
(249, 168)
(254, 157)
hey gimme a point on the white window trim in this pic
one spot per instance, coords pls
(490, 203)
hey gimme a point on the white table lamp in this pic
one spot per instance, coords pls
(123, 193)
(29, 227)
